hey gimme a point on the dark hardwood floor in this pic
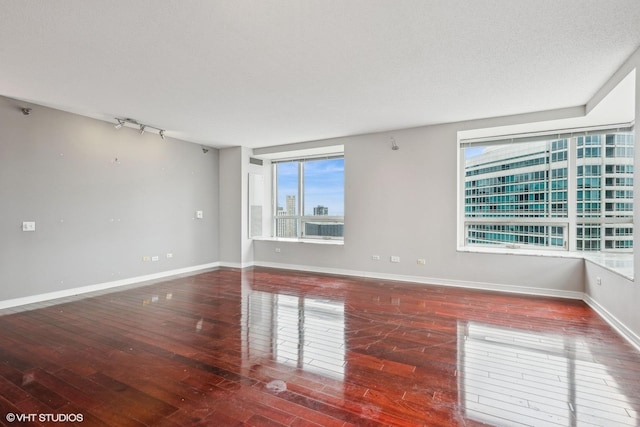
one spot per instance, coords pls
(270, 348)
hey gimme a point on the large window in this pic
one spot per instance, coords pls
(309, 198)
(564, 192)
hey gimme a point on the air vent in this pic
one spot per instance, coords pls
(255, 161)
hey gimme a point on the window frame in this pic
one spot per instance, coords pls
(300, 218)
(568, 223)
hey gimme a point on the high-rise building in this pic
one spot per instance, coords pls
(525, 188)
(287, 227)
(324, 229)
(320, 210)
(291, 205)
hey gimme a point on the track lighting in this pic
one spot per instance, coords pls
(394, 146)
(26, 111)
(141, 126)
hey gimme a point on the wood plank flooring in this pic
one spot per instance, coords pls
(266, 347)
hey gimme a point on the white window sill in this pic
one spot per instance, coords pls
(520, 251)
(619, 263)
(335, 242)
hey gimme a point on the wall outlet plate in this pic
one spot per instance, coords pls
(29, 226)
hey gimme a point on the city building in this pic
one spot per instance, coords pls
(517, 182)
(320, 210)
(324, 229)
(287, 227)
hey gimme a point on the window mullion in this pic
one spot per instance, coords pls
(274, 200)
(301, 197)
(572, 193)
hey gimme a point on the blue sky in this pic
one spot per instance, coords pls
(473, 152)
(323, 181)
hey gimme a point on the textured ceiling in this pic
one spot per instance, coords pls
(260, 73)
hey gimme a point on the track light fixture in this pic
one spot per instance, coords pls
(142, 128)
(394, 146)
(26, 111)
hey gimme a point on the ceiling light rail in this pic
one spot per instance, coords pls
(134, 123)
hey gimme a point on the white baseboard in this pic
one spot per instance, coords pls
(616, 324)
(102, 286)
(613, 321)
(430, 280)
(608, 317)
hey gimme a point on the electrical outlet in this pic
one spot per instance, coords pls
(375, 257)
(29, 226)
(395, 258)
(146, 258)
(599, 281)
(278, 250)
(421, 261)
(155, 258)
(169, 255)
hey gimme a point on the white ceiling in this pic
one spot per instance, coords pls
(261, 73)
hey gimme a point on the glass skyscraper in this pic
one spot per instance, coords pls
(569, 193)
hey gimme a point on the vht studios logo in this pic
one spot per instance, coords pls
(44, 418)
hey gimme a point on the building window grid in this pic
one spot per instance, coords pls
(591, 196)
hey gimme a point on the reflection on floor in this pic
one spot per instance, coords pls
(272, 347)
(515, 377)
(298, 331)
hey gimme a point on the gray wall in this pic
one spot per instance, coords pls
(617, 297)
(102, 199)
(230, 207)
(403, 203)
(236, 248)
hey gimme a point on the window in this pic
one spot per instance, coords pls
(573, 192)
(309, 198)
